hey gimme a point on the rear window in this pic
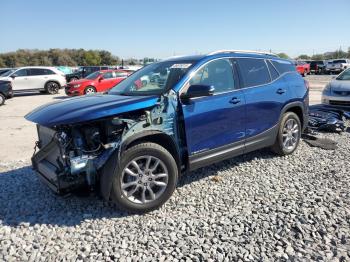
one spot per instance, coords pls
(283, 66)
(254, 72)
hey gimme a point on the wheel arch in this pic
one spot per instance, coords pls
(297, 108)
(157, 137)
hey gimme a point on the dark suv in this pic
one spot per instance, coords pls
(6, 91)
(133, 143)
(84, 71)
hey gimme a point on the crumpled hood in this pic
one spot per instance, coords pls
(340, 85)
(86, 108)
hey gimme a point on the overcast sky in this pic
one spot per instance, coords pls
(160, 28)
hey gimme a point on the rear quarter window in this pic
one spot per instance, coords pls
(273, 72)
(253, 71)
(283, 66)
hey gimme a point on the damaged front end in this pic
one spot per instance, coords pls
(72, 156)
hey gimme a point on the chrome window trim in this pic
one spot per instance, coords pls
(240, 88)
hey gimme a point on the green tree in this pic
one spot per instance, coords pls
(2, 62)
(91, 58)
(283, 55)
(303, 57)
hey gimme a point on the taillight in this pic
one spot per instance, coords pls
(306, 84)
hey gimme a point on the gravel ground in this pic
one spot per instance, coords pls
(251, 208)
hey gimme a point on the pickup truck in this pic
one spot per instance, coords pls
(338, 65)
(302, 67)
(318, 67)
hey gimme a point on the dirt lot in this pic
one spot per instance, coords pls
(18, 135)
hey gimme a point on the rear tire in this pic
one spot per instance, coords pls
(149, 184)
(288, 136)
(52, 88)
(2, 99)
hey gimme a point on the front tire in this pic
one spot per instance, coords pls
(90, 90)
(289, 134)
(145, 178)
(52, 88)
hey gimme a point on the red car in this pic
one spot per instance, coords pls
(99, 81)
(302, 67)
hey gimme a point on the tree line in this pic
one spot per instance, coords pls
(325, 56)
(82, 57)
(59, 57)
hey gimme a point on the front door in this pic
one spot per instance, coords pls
(20, 81)
(215, 123)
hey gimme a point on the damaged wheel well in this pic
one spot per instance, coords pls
(160, 139)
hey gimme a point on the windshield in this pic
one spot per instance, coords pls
(153, 79)
(8, 73)
(93, 75)
(344, 76)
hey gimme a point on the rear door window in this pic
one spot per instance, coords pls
(254, 72)
(283, 66)
(40, 71)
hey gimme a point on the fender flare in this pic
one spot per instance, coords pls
(294, 104)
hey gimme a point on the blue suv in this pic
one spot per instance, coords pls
(173, 116)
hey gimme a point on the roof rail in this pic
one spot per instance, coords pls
(242, 51)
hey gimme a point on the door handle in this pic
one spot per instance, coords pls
(280, 91)
(235, 100)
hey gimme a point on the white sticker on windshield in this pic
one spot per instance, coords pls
(181, 66)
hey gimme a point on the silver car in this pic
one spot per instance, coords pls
(337, 92)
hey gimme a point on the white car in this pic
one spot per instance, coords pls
(43, 79)
(337, 65)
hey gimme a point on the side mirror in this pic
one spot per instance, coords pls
(100, 79)
(198, 91)
(13, 76)
(334, 77)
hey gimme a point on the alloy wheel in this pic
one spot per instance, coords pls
(144, 179)
(90, 90)
(52, 88)
(291, 133)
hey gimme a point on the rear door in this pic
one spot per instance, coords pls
(215, 125)
(265, 92)
(37, 78)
